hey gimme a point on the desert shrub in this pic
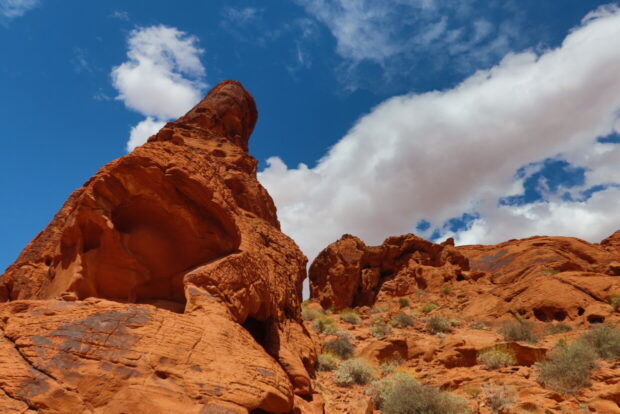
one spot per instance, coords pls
(350, 316)
(324, 325)
(387, 367)
(519, 331)
(604, 339)
(400, 393)
(403, 302)
(378, 309)
(500, 398)
(380, 328)
(327, 362)
(437, 324)
(567, 367)
(340, 346)
(446, 289)
(614, 301)
(557, 328)
(472, 390)
(455, 322)
(354, 371)
(309, 314)
(497, 357)
(480, 325)
(429, 307)
(402, 320)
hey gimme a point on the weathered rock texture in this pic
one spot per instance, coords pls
(163, 285)
(349, 273)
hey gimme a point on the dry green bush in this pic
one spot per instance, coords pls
(403, 303)
(380, 328)
(340, 346)
(497, 357)
(437, 324)
(354, 371)
(351, 316)
(429, 307)
(519, 331)
(500, 398)
(567, 367)
(557, 328)
(327, 362)
(400, 393)
(324, 325)
(604, 339)
(309, 314)
(402, 320)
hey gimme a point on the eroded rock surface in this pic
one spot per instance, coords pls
(162, 285)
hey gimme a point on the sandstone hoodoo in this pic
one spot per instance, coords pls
(162, 285)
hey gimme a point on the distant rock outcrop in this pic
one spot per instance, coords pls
(162, 285)
(349, 273)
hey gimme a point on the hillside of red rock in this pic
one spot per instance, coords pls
(438, 313)
(163, 285)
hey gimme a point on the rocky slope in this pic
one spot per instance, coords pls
(432, 310)
(163, 285)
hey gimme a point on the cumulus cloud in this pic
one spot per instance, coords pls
(162, 78)
(141, 132)
(437, 155)
(10, 9)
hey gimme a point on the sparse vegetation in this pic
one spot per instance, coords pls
(350, 316)
(500, 398)
(402, 320)
(480, 325)
(437, 324)
(324, 325)
(400, 393)
(446, 289)
(403, 303)
(340, 346)
(327, 362)
(472, 391)
(379, 309)
(387, 367)
(519, 331)
(380, 328)
(614, 301)
(309, 314)
(557, 328)
(567, 367)
(604, 339)
(429, 307)
(497, 357)
(354, 371)
(551, 272)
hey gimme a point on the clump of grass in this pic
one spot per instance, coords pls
(400, 393)
(402, 320)
(380, 328)
(340, 346)
(378, 309)
(497, 357)
(437, 324)
(446, 289)
(354, 371)
(327, 362)
(519, 331)
(604, 339)
(387, 367)
(472, 391)
(403, 303)
(480, 326)
(557, 328)
(429, 307)
(309, 314)
(500, 398)
(614, 301)
(324, 325)
(567, 367)
(350, 316)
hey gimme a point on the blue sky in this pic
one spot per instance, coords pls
(482, 120)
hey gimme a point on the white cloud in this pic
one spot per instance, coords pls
(11, 9)
(437, 155)
(141, 132)
(163, 77)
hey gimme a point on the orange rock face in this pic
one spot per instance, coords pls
(349, 273)
(162, 285)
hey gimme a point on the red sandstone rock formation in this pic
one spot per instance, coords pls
(163, 285)
(349, 273)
